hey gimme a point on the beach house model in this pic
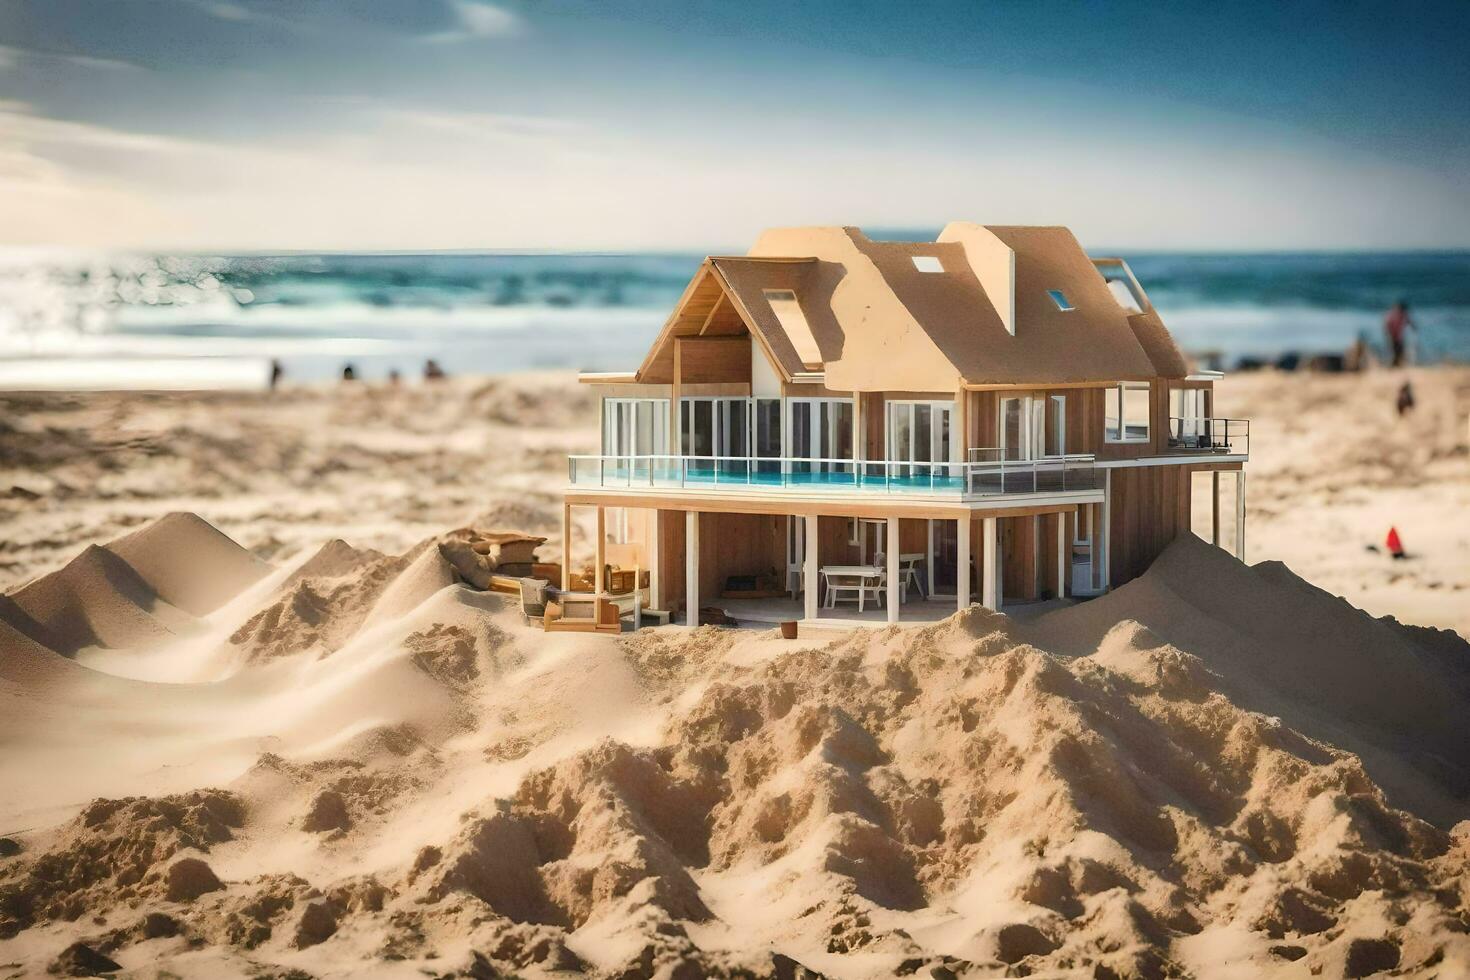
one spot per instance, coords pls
(834, 427)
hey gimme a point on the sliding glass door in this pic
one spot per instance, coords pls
(919, 437)
(1033, 427)
(715, 433)
(634, 429)
(819, 439)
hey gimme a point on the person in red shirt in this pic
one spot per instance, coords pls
(1394, 326)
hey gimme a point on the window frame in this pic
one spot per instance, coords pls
(1120, 391)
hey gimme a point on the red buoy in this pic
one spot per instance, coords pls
(1395, 546)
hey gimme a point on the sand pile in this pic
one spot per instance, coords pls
(1188, 777)
(138, 590)
(1396, 697)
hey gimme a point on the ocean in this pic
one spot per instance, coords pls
(124, 320)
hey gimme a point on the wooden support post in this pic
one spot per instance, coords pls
(655, 559)
(566, 547)
(809, 567)
(676, 435)
(892, 571)
(1240, 514)
(962, 562)
(1035, 584)
(599, 577)
(1064, 554)
(1215, 508)
(691, 568)
(989, 584)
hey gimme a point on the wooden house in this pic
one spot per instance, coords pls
(833, 426)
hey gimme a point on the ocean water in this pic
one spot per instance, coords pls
(105, 320)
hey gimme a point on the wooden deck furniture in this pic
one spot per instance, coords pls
(857, 581)
(581, 613)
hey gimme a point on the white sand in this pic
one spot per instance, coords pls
(1215, 770)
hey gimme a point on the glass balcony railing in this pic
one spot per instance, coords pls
(979, 476)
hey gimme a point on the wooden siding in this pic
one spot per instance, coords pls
(1150, 505)
(739, 544)
(712, 360)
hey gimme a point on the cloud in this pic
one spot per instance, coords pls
(12, 57)
(477, 20)
(227, 11)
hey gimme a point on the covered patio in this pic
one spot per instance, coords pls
(769, 561)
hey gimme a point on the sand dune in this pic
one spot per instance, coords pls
(1215, 771)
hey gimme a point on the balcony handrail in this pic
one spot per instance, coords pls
(1073, 471)
(1211, 433)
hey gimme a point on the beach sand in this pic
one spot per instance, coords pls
(316, 750)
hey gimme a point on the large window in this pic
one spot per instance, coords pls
(1126, 411)
(716, 431)
(919, 432)
(820, 428)
(1033, 426)
(635, 426)
(1189, 414)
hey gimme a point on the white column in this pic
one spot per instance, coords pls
(691, 567)
(809, 567)
(893, 584)
(1064, 555)
(989, 580)
(962, 562)
(929, 560)
(1240, 514)
(599, 580)
(566, 547)
(1107, 531)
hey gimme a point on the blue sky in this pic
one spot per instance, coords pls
(570, 124)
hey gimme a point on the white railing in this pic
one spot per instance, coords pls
(975, 477)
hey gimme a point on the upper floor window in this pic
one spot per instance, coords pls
(1126, 412)
(1059, 298)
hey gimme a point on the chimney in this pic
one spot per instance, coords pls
(994, 264)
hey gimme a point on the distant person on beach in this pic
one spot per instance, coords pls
(1357, 358)
(1405, 402)
(432, 370)
(1395, 325)
(349, 373)
(277, 372)
(394, 378)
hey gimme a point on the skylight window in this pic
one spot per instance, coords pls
(793, 321)
(1059, 298)
(928, 263)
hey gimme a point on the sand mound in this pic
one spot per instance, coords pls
(1281, 646)
(96, 599)
(188, 562)
(321, 605)
(115, 851)
(426, 575)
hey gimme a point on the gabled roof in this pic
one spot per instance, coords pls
(877, 321)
